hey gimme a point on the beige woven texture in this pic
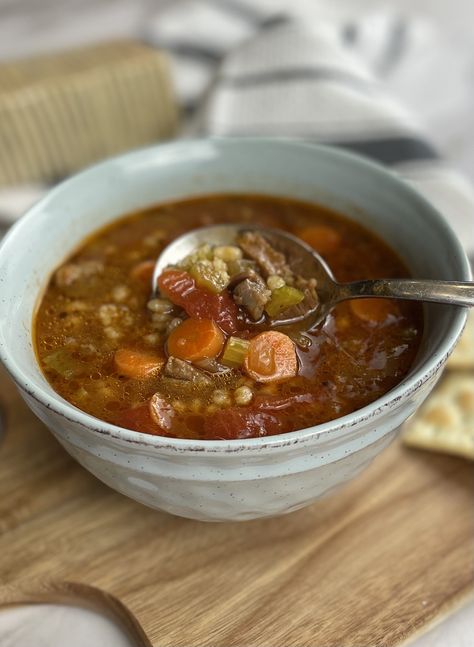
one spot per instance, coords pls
(61, 112)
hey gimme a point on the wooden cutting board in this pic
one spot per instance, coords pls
(372, 565)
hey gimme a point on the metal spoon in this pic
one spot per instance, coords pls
(304, 261)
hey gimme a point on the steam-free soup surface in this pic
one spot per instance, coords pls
(201, 360)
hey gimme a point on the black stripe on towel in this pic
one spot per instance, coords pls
(193, 51)
(390, 150)
(396, 45)
(241, 10)
(350, 33)
(274, 21)
(293, 75)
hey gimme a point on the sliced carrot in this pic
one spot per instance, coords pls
(271, 357)
(137, 364)
(374, 310)
(143, 272)
(196, 339)
(322, 238)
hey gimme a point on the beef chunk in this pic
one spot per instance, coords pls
(269, 260)
(253, 295)
(181, 370)
(211, 365)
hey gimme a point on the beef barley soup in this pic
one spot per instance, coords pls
(201, 359)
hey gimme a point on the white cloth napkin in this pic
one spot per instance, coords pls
(309, 70)
(295, 71)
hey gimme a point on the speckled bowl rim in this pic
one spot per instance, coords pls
(411, 383)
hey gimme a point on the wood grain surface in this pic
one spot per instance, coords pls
(372, 565)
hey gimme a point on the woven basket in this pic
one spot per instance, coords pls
(60, 112)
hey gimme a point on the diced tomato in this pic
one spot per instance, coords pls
(176, 285)
(237, 422)
(221, 308)
(198, 303)
(139, 419)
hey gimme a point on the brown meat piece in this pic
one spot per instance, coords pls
(212, 366)
(238, 278)
(181, 370)
(253, 296)
(269, 260)
(241, 266)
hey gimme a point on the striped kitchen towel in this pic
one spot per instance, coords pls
(378, 85)
(246, 68)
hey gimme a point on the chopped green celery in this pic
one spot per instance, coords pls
(81, 393)
(283, 298)
(235, 352)
(201, 253)
(63, 363)
(210, 275)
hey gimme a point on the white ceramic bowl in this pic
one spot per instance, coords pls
(240, 479)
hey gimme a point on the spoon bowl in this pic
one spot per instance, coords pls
(306, 262)
(302, 259)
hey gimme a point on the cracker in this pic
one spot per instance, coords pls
(463, 355)
(445, 422)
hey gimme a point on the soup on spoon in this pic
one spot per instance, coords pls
(280, 280)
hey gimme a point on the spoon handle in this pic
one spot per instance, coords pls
(450, 292)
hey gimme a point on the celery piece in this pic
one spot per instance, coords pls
(235, 352)
(209, 276)
(63, 363)
(201, 253)
(283, 298)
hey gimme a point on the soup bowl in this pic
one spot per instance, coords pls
(236, 479)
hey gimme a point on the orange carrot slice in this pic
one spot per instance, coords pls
(322, 238)
(137, 364)
(374, 311)
(271, 357)
(196, 339)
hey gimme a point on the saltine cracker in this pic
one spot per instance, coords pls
(445, 422)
